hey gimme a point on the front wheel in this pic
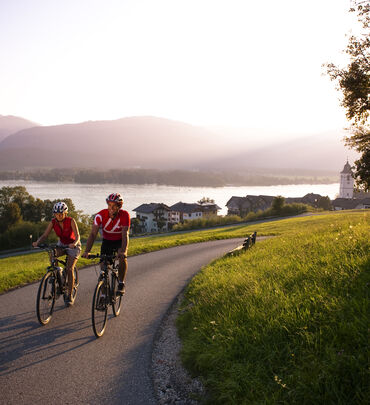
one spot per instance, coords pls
(46, 298)
(100, 309)
(116, 299)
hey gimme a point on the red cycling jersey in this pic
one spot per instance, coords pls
(112, 228)
(66, 235)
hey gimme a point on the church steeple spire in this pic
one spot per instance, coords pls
(346, 182)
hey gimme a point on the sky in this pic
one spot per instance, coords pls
(233, 63)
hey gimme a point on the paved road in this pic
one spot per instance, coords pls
(63, 362)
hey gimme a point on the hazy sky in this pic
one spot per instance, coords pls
(254, 64)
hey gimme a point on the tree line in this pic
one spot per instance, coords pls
(22, 215)
(161, 177)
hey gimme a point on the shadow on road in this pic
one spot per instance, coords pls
(131, 380)
(25, 339)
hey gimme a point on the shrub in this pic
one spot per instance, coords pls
(18, 235)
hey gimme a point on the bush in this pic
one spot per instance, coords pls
(18, 235)
(294, 209)
(207, 222)
(284, 210)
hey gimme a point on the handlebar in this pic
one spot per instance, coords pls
(45, 246)
(102, 257)
(93, 256)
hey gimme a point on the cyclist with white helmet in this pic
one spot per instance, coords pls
(69, 243)
(114, 223)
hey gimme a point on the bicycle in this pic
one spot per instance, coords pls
(53, 285)
(105, 294)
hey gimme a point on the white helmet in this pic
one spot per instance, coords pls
(60, 207)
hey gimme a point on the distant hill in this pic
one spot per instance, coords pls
(146, 142)
(158, 143)
(321, 152)
(10, 124)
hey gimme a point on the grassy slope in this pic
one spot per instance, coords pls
(287, 321)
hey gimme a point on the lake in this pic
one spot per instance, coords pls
(90, 198)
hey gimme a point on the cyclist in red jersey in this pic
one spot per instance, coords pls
(114, 224)
(69, 242)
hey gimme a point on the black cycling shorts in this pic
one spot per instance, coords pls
(108, 247)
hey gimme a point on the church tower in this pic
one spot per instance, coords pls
(346, 182)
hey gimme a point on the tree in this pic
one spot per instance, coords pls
(159, 219)
(33, 210)
(18, 195)
(136, 225)
(354, 83)
(278, 204)
(206, 200)
(10, 215)
(324, 203)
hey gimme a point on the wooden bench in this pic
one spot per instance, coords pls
(249, 241)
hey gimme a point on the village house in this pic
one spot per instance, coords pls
(153, 217)
(351, 204)
(190, 211)
(252, 203)
(156, 217)
(186, 211)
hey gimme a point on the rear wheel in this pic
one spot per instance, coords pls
(76, 284)
(46, 298)
(116, 299)
(100, 309)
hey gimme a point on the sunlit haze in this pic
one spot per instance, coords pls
(252, 64)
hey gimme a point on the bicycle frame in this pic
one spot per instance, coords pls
(108, 267)
(104, 295)
(52, 285)
(55, 268)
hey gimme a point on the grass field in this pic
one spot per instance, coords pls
(287, 321)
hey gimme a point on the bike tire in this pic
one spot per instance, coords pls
(76, 284)
(116, 299)
(46, 298)
(99, 313)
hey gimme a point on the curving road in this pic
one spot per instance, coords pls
(63, 362)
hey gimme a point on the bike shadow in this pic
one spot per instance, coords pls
(131, 375)
(24, 342)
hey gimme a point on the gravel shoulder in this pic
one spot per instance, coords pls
(172, 383)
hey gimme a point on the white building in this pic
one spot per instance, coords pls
(156, 217)
(346, 182)
(185, 211)
(153, 217)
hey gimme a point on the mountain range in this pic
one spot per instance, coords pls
(158, 143)
(10, 124)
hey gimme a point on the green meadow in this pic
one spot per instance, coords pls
(287, 321)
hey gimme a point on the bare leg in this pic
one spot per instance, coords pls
(71, 262)
(122, 269)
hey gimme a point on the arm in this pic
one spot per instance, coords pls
(77, 234)
(44, 235)
(125, 240)
(90, 240)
